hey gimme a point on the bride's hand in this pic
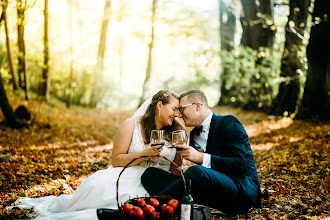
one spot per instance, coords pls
(152, 151)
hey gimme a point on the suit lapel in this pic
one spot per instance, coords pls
(192, 133)
(209, 138)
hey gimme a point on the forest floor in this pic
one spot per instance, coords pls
(64, 146)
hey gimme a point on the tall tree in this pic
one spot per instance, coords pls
(103, 37)
(69, 94)
(9, 49)
(227, 34)
(45, 70)
(316, 98)
(12, 119)
(257, 23)
(120, 55)
(22, 72)
(122, 12)
(291, 65)
(97, 91)
(150, 46)
(258, 32)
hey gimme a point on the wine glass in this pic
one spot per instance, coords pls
(179, 137)
(157, 137)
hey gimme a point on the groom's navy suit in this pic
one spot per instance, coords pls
(231, 183)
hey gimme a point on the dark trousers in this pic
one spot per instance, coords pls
(209, 188)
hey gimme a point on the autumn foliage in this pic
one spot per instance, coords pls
(64, 146)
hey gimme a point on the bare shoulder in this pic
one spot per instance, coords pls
(127, 126)
(128, 122)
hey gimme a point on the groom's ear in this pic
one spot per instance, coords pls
(198, 106)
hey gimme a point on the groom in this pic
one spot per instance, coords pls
(225, 176)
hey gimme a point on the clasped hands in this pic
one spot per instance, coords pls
(187, 152)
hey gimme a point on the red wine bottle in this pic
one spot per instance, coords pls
(187, 203)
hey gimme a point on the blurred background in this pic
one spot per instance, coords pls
(117, 53)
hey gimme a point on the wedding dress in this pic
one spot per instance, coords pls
(99, 189)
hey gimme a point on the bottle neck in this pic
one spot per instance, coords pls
(188, 186)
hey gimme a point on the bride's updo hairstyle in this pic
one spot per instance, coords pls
(148, 119)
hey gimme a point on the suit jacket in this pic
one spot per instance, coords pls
(231, 154)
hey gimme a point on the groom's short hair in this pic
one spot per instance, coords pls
(195, 95)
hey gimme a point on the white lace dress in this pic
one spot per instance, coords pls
(99, 189)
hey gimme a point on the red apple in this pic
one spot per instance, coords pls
(154, 202)
(140, 202)
(127, 208)
(149, 210)
(162, 207)
(174, 203)
(137, 213)
(156, 215)
(167, 211)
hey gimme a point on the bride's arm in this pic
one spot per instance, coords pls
(122, 142)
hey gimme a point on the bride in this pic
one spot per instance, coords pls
(131, 141)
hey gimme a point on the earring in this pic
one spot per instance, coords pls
(159, 113)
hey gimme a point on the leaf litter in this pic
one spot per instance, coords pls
(64, 146)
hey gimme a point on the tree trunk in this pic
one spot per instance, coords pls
(258, 31)
(287, 97)
(316, 98)
(227, 35)
(97, 91)
(23, 81)
(103, 38)
(120, 54)
(69, 98)
(9, 51)
(45, 70)
(12, 119)
(150, 46)
(120, 49)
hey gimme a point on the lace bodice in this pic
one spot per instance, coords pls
(137, 145)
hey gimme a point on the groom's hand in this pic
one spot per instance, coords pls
(190, 153)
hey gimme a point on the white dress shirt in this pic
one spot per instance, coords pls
(201, 140)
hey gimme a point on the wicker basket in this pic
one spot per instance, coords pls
(163, 199)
